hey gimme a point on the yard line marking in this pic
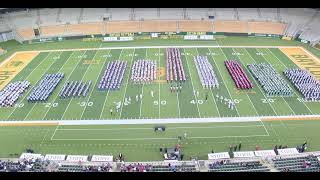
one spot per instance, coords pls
(258, 85)
(192, 83)
(80, 80)
(222, 76)
(146, 55)
(93, 87)
(43, 74)
(287, 67)
(284, 79)
(124, 95)
(212, 93)
(159, 82)
(170, 128)
(178, 104)
(275, 132)
(66, 80)
(54, 132)
(28, 91)
(105, 100)
(246, 93)
(141, 101)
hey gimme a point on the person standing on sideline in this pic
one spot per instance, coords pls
(239, 146)
(185, 135)
(111, 111)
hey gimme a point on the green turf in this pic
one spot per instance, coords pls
(134, 142)
(141, 143)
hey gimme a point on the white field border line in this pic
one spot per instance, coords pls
(135, 139)
(186, 58)
(258, 84)
(54, 132)
(143, 47)
(287, 67)
(281, 77)
(9, 58)
(211, 91)
(159, 101)
(158, 121)
(71, 99)
(170, 128)
(178, 103)
(96, 81)
(105, 100)
(222, 76)
(41, 78)
(30, 89)
(66, 80)
(125, 92)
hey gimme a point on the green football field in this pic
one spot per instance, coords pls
(87, 65)
(139, 142)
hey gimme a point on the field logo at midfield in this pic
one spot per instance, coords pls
(12, 66)
(304, 60)
(161, 72)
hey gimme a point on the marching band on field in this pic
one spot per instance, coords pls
(10, 94)
(45, 88)
(144, 71)
(113, 75)
(205, 71)
(306, 84)
(271, 81)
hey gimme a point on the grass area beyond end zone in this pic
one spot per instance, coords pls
(141, 143)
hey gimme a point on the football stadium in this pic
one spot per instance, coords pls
(159, 90)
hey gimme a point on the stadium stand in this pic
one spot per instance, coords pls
(266, 27)
(158, 26)
(195, 26)
(231, 26)
(122, 26)
(54, 30)
(86, 28)
(304, 163)
(26, 33)
(247, 166)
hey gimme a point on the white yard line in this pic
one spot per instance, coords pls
(94, 86)
(124, 95)
(66, 80)
(212, 93)
(222, 76)
(105, 100)
(141, 101)
(80, 80)
(258, 85)
(54, 132)
(178, 104)
(293, 90)
(41, 78)
(288, 84)
(192, 83)
(26, 93)
(159, 83)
